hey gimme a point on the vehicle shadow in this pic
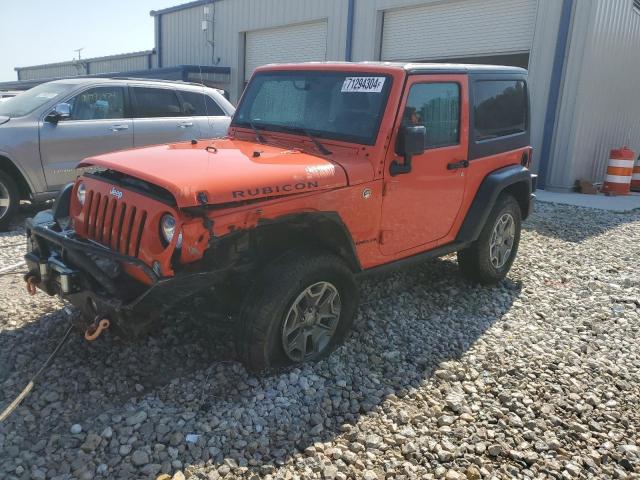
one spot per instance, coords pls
(574, 224)
(184, 376)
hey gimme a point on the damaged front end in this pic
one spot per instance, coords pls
(105, 257)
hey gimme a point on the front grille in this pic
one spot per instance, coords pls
(113, 223)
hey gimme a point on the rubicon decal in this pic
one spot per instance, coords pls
(286, 188)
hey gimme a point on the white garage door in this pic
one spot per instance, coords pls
(297, 43)
(458, 29)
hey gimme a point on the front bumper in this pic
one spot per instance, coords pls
(91, 278)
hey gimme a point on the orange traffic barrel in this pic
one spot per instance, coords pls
(635, 177)
(619, 171)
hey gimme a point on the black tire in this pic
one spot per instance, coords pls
(475, 261)
(259, 329)
(8, 191)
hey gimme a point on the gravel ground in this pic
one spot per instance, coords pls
(538, 377)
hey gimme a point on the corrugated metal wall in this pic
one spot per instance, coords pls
(122, 64)
(66, 69)
(274, 45)
(458, 29)
(183, 41)
(540, 68)
(600, 104)
(115, 63)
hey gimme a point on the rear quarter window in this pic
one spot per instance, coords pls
(200, 105)
(500, 108)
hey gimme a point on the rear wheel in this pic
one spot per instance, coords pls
(9, 199)
(300, 308)
(489, 259)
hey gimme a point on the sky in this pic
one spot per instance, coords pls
(33, 32)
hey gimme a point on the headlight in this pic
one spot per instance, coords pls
(81, 193)
(168, 229)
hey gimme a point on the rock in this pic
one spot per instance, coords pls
(473, 473)
(369, 475)
(91, 442)
(139, 457)
(136, 418)
(446, 420)
(373, 441)
(151, 469)
(330, 472)
(453, 475)
(536, 376)
(494, 450)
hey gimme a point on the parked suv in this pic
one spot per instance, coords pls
(330, 171)
(46, 131)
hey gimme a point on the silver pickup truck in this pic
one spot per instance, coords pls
(46, 131)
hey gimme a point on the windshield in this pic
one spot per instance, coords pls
(28, 101)
(334, 105)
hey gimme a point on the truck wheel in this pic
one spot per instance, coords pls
(489, 258)
(299, 309)
(9, 199)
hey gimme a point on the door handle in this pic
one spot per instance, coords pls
(457, 165)
(118, 127)
(185, 124)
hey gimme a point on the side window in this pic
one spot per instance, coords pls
(500, 108)
(200, 105)
(156, 102)
(437, 107)
(98, 104)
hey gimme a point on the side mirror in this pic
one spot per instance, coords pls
(410, 143)
(59, 112)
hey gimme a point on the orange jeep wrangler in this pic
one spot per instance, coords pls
(329, 171)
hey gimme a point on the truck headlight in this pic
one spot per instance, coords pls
(81, 193)
(168, 229)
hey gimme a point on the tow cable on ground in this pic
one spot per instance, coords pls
(12, 267)
(23, 394)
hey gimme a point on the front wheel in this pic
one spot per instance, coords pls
(300, 308)
(489, 258)
(9, 199)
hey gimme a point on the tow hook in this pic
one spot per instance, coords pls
(96, 329)
(32, 281)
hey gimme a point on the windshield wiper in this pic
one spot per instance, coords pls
(324, 150)
(259, 136)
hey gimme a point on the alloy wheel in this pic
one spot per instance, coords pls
(311, 321)
(502, 240)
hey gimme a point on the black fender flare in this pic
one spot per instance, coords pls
(490, 189)
(328, 228)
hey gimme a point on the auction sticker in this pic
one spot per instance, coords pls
(363, 84)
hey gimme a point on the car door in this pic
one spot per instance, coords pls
(421, 206)
(97, 124)
(159, 118)
(210, 117)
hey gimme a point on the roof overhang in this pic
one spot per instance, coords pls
(177, 8)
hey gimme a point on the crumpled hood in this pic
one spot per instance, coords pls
(225, 170)
(4, 119)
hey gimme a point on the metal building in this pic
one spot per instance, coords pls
(89, 66)
(582, 56)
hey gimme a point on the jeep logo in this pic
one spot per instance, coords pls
(115, 193)
(287, 188)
